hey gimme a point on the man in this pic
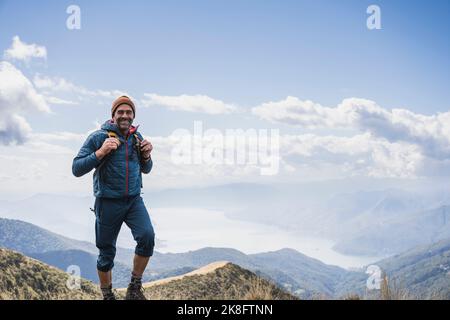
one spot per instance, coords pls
(119, 154)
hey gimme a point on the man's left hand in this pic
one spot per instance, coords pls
(146, 149)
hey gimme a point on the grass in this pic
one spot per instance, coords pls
(229, 282)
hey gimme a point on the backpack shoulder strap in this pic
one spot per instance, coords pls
(138, 150)
(112, 134)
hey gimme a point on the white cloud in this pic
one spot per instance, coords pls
(14, 128)
(64, 139)
(301, 113)
(431, 133)
(21, 51)
(63, 136)
(59, 101)
(359, 155)
(54, 84)
(190, 103)
(51, 167)
(61, 85)
(310, 115)
(17, 92)
(373, 153)
(17, 97)
(194, 103)
(396, 160)
(40, 166)
(303, 158)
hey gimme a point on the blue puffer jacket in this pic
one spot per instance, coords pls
(118, 174)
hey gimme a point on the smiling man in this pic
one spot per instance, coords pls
(119, 155)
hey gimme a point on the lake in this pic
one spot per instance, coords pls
(184, 229)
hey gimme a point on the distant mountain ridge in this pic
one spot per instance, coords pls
(419, 273)
(23, 278)
(371, 222)
(424, 271)
(62, 252)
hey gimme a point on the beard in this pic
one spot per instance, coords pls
(124, 123)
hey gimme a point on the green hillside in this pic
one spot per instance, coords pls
(22, 277)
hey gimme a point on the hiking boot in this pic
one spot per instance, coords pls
(135, 291)
(108, 294)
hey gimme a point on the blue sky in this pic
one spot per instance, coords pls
(243, 53)
(247, 52)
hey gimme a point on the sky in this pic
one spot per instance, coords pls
(347, 101)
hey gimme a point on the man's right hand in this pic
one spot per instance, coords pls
(109, 145)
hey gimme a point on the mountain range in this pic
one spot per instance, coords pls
(380, 222)
(423, 272)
